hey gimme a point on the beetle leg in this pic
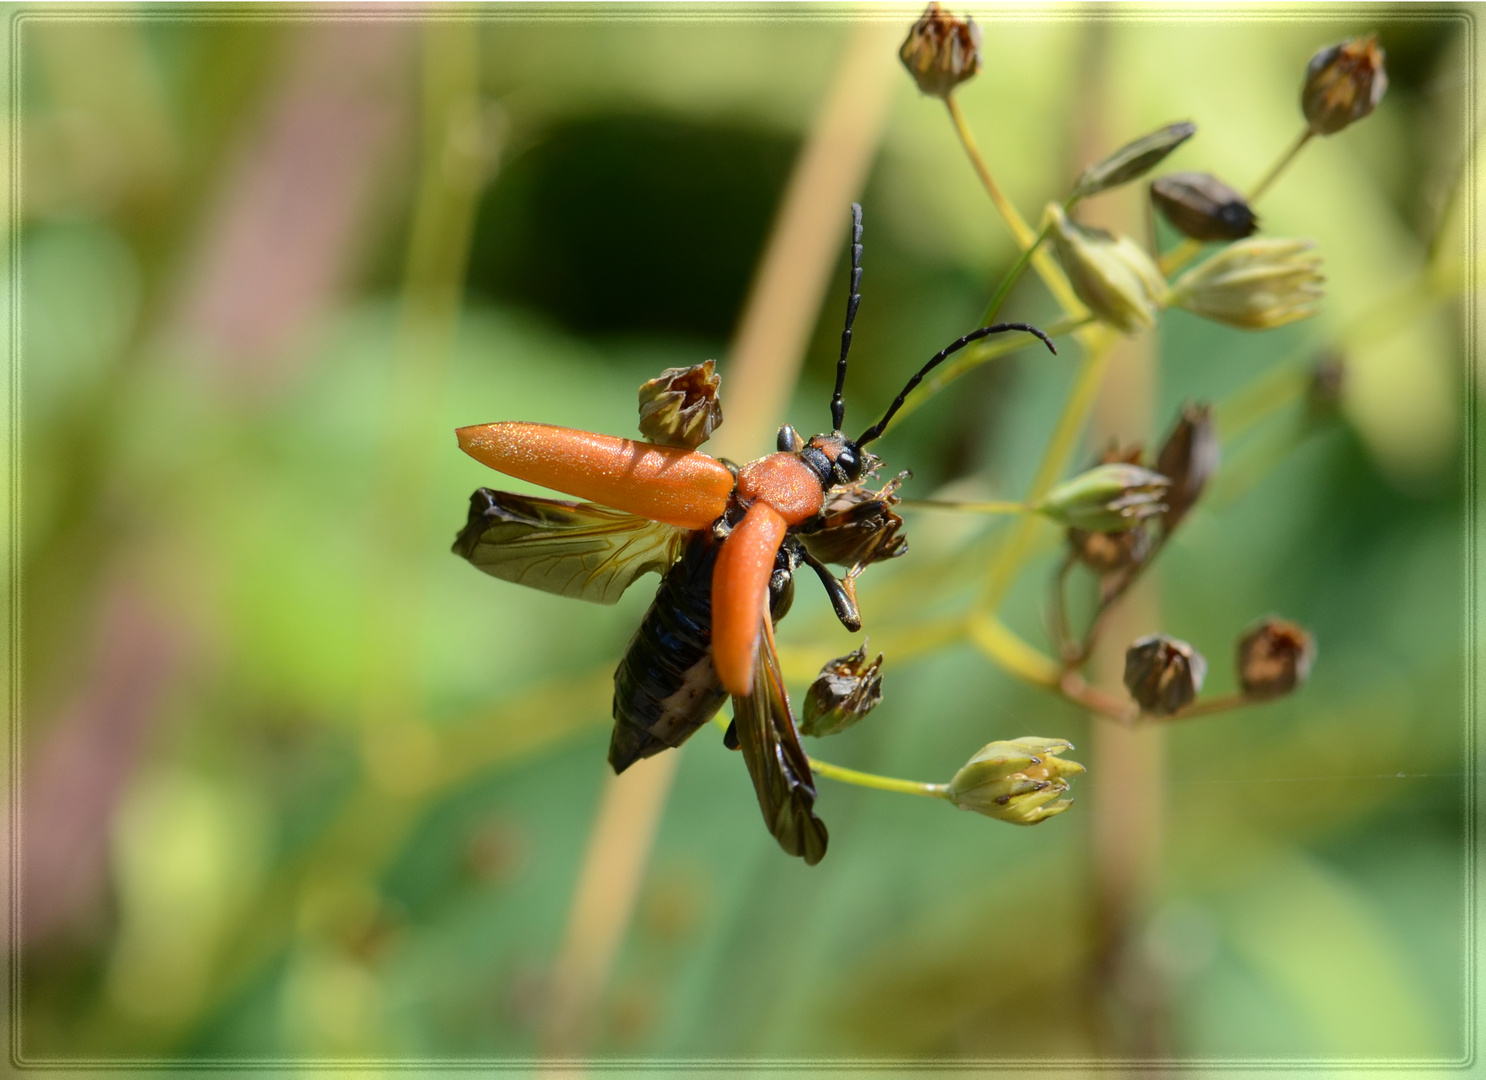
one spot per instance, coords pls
(842, 593)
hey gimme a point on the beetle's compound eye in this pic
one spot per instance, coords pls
(848, 465)
(789, 440)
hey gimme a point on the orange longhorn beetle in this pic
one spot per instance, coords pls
(726, 541)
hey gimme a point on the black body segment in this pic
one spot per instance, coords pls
(666, 686)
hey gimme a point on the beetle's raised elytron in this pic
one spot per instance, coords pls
(726, 540)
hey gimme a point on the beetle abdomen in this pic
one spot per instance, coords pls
(666, 687)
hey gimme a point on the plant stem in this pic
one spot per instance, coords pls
(992, 507)
(1013, 276)
(1081, 396)
(1223, 703)
(1048, 270)
(881, 783)
(1010, 653)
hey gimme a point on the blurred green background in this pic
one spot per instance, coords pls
(296, 782)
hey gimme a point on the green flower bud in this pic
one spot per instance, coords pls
(1133, 160)
(1163, 674)
(680, 407)
(1343, 83)
(941, 51)
(1107, 498)
(1201, 206)
(1018, 780)
(847, 689)
(1255, 284)
(1113, 276)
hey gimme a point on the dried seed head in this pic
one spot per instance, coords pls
(1201, 206)
(1274, 658)
(847, 689)
(1133, 160)
(1109, 552)
(858, 526)
(1111, 275)
(1162, 674)
(1254, 284)
(680, 406)
(1016, 780)
(1188, 457)
(1343, 83)
(1107, 498)
(941, 51)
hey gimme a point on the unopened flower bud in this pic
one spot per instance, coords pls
(680, 407)
(858, 526)
(1162, 674)
(1107, 498)
(1133, 160)
(1113, 276)
(1254, 284)
(1274, 658)
(941, 51)
(1201, 206)
(1188, 457)
(1018, 780)
(1343, 83)
(847, 689)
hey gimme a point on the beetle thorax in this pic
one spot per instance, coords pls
(784, 482)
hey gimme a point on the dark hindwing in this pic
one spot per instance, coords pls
(666, 687)
(765, 730)
(574, 549)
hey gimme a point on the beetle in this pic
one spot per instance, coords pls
(727, 541)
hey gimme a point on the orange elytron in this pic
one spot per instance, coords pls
(726, 543)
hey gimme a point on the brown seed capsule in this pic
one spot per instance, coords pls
(680, 406)
(1274, 658)
(1328, 383)
(1162, 674)
(1188, 457)
(941, 51)
(1201, 206)
(847, 689)
(1108, 552)
(858, 526)
(1343, 83)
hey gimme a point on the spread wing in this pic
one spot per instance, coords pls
(765, 730)
(570, 548)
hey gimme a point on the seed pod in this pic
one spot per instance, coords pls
(1254, 284)
(680, 407)
(1343, 83)
(1188, 457)
(845, 691)
(1162, 674)
(1274, 658)
(1113, 276)
(1107, 498)
(1016, 780)
(1201, 206)
(1109, 552)
(1328, 383)
(858, 526)
(941, 51)
(1133, 160)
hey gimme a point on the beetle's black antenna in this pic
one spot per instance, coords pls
(876, 430)
(838, 407)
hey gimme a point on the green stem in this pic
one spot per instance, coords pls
(1013, 276)
(881, 783)
(1280, 166)
(1004, 506)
